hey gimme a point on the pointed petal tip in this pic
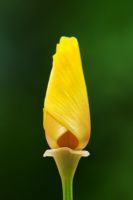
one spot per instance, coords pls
(68, 40)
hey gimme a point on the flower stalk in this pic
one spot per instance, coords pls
(67, 161)
(67, 187)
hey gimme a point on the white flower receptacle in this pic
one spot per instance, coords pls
(67, 161)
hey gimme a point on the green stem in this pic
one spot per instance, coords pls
(67, 161)
(67, 186)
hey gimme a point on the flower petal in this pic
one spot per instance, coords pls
(66, 107)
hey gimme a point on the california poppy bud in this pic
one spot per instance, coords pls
(66, 108)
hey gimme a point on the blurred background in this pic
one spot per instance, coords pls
(29, 31)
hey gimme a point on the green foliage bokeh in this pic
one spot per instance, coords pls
(29, 31)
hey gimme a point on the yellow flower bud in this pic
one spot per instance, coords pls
(66, 108)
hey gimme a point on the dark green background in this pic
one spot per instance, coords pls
(29, 31)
